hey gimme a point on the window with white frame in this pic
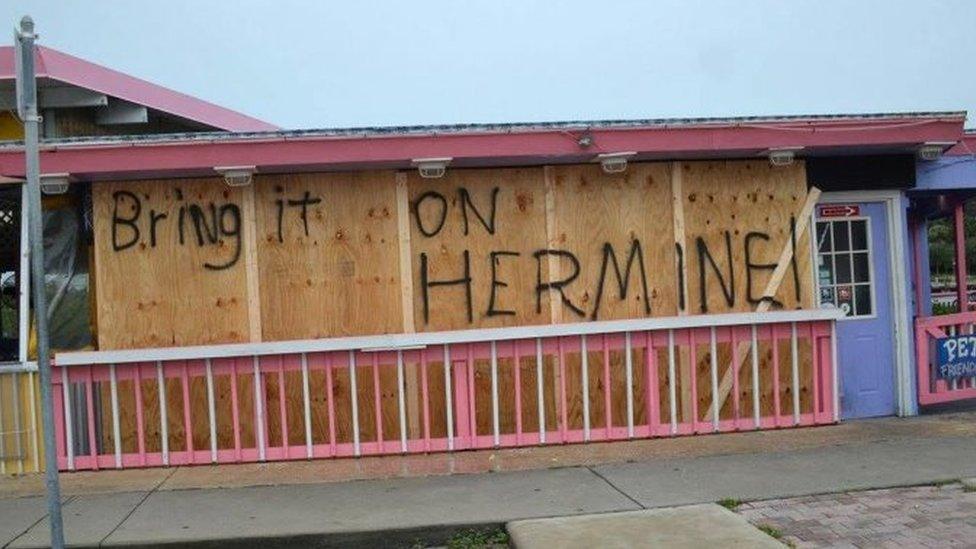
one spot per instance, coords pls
(844, 274)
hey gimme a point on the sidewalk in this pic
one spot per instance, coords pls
(282, 504)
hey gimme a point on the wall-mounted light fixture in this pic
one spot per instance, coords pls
(54, 183)
(614, 162)
(431, 168)
(782, 156)
(236, 176)
(932, 150)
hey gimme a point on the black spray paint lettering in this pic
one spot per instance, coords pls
(728, 290)
(750, 266)
(796, 273)
(623, 281)
(680, 278)
(130, 222)
(442, 216)
(211, 224)
(495, 258)
(303, 203)
(556, 285)
(232, 212)
(426, 284)
(466, 202)
(440, 203)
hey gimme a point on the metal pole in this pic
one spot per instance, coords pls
(27, 107)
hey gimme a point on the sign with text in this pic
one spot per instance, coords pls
(956, 357)
(840, 210)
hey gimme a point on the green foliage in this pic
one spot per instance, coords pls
(942, 242)
(770, 531)
(944, 309)
(729, 503)
(472, 539)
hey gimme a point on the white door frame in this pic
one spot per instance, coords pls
(23, 280)
(898, 289)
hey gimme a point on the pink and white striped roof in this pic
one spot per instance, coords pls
(55, 65)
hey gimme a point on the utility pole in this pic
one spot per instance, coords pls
(27, 109)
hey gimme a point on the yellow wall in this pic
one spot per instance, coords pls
(10, 127)
(16, 405)
(19, 421)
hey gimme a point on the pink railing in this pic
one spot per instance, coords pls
(487, 388)
(931, 389)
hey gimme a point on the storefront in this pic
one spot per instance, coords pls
(291, 295)
(946, 369)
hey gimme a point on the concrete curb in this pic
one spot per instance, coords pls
(398, 538)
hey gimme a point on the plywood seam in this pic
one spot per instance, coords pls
(249, 221)
(406, 297)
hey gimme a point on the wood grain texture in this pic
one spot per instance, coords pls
(519, 228)
(164, 295)
(341, 278)
(593, 210)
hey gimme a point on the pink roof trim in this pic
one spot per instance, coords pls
(72, 70)
(966, 145)
(282, 153)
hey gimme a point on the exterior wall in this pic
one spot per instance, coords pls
(189, 262)
(949, 173)
(310, 256)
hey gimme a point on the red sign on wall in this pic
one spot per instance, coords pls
(839, 210)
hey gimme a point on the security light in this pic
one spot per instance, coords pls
(236, 176)
(932, 150)
(614, 162)
(54, 183)
(782, 156)
(432, 168)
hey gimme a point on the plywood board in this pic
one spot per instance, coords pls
(599, 214)
(333, 271)
(487, 216)
(178, 281)
(336, 269)
(739, 198)
(728, 204)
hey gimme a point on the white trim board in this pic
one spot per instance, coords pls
(409, 341)
(23, 281)
(901, 329)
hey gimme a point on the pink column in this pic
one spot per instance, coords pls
(961, 279)
(917, 282)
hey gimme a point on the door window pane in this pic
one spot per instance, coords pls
(842, 240)
(824, 243)
(861, 267)
(827, 296)
(825, 271)
(859, 235)
(844, 265)
(863, 298)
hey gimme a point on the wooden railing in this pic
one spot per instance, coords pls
(445, 391)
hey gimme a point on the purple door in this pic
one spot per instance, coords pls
(853, 274)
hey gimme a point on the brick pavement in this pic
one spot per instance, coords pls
(922, 516)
